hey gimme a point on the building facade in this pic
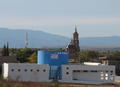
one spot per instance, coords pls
(87, 74)
(26, 72)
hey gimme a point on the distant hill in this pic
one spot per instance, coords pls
(101, 41)
(39, 39)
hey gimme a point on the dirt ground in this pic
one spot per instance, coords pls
(34, 84)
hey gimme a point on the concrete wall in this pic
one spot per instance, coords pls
(26, 72)
(70, 73)
(88, 74)
(82, 76)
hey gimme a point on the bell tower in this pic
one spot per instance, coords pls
(76, 39)
(73, 48)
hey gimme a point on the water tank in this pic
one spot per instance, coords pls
(53, 58)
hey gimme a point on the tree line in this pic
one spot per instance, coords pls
(30, 55)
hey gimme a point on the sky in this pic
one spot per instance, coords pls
(93, 18)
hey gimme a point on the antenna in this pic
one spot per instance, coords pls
(26, 41)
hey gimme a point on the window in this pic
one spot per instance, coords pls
(38, 70)
(93, 70)
(44, 70)
(76, 71)
(111, 71)
(85, 70)
(67, 68)
(67, 73)
(12, 70)
(25, 70)
(19, 70)
(106, 71)
(31, 70)
(106, 78)
(106, 74)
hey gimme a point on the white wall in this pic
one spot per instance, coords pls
(70, 73)
(88, 74)
(5, 70)
(26, 72)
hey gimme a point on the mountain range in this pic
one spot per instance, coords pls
(40, 39)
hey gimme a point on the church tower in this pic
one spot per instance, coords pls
(76, 39)
(73, 47)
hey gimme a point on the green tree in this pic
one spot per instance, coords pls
(83, 57)
(86, 56)
(12, 52)
(33, 58)
(116, 54)
(23, 54)
(4, 50)
(93, 54)
(7, 49)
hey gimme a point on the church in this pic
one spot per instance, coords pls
(73, 47)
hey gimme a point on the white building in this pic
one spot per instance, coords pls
(88, 74)
(26, 72)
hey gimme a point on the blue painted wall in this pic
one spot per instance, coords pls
(53, 58)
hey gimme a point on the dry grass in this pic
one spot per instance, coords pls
(4, 83)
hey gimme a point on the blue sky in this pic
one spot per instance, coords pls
(93, 18)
